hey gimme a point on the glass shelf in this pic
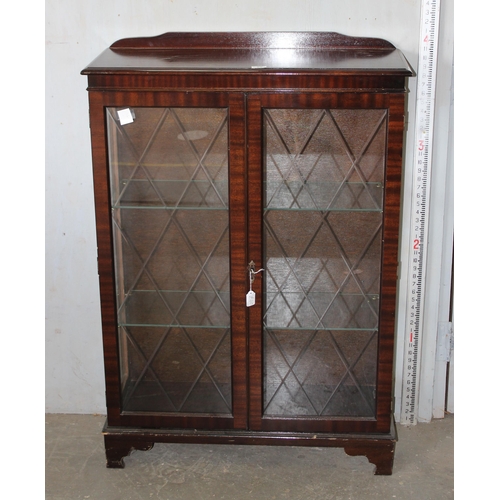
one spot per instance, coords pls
(143, 206)
(324, 195)
(173, 308)
(325, 210)
(172, 193)
(320, 329)
(321, 311)
(172, 325)
(323, 294)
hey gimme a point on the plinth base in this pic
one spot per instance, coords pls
(378, 448)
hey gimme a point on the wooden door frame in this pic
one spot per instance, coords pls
(395, 104)
(99, 101)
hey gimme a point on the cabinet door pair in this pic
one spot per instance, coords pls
(248, 258)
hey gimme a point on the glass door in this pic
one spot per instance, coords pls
(179, 337)
(169, 190)
(322, 215)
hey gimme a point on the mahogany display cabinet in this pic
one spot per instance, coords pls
(247, 195)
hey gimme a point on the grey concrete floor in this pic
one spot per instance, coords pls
(75, 468)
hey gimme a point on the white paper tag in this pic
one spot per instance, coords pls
(250, 298)
(125, 116)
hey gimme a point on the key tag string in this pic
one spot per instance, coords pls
(250, 297)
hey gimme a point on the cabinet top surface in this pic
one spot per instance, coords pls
(251, 52)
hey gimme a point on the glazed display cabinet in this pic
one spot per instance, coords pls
(247, 190)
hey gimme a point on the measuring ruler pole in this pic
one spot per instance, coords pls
(426, 83)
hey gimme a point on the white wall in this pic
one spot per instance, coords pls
(76, 32)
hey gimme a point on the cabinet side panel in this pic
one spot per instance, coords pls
(390, 259)
(105, 254)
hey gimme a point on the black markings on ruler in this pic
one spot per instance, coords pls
(425, 84)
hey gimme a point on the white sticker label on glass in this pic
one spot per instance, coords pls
(125, 116)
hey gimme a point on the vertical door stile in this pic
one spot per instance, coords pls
(254, 195)
(238, 257)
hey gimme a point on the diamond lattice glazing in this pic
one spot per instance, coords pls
(169, 183)
(324, 172)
